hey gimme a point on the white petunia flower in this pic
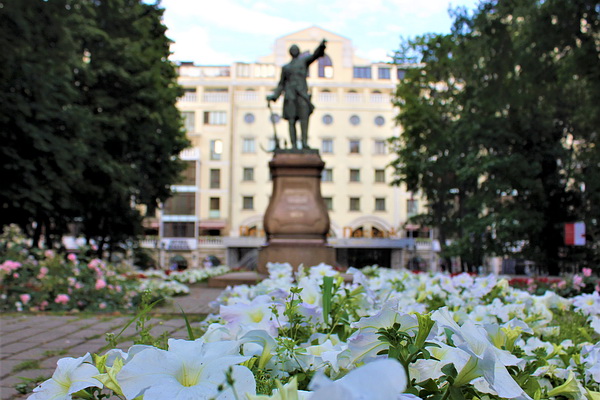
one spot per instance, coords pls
(378, 380)
(256, 315)
(588, 304)
(71, 376)
(189, 370)
(485, 360)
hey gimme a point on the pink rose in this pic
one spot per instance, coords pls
(587, 272)
(100, 284)
(78, 285)
(102, 305)
(72, 257)
(25, 298)
(72, 281)
(9, 265)
(43, 273)
(43, 305)
(49, 254)
(62, 299)
(16, 275)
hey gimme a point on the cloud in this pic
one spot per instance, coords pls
(194, 44)
(232, 16)
(225, 31)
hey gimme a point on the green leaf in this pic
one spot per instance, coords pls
(327, 296)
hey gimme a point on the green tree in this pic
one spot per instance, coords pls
(42, 129)
(90, 127)
(130, 88)
(525, 118)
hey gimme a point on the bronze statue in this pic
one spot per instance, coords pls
(296, 104)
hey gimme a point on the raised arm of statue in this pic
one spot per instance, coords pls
(318, 53)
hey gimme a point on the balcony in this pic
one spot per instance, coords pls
(182, 244)
(193, 71)
(214, 214)
(191, 154)
(217, 97)
(380, 98)
(210, 241)
(354, 98)
(328, 98)
(247, 96)
(188, 98)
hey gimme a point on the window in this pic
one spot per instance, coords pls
(383, 73)
(412, 207)
(379, 147)
(181, 204)
(214, 205)
(327, 119)
(325, 67)
(379, 120)
(249, 118)
(216, 149)
(215, 178)
(179, 229)
(362, 72)
(401, 73)
(355, 120)
(248, 174)
(327, 145)
(215, 117)
(275, 118)
(328, 203)
(354, 203)
(380, 175)
(188, 176)
(380, 204)
(189, 121)
(355, 175)
(327, 175)
(354, 146)
(248, 202)
(248, 145)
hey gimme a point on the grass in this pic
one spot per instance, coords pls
(25, 365)
(54, 353)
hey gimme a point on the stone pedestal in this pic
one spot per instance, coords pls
(296, 221)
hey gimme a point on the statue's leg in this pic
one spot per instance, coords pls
(303, 116)
(304, 130)
(293, 139)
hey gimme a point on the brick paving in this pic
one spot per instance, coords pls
(37, 341)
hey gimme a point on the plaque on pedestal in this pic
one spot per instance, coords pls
(296, 221)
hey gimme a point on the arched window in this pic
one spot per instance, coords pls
(325, 67)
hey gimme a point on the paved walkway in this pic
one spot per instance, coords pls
(30, 344)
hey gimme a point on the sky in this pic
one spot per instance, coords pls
(219, 32)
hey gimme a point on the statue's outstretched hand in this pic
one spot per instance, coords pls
(271, 98)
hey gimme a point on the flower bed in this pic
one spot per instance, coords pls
(389, 335)
(36, 280)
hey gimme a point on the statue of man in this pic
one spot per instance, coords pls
(296, 104)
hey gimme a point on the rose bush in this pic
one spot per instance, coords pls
(37, 280)
(390, 334)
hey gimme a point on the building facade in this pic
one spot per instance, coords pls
(218, 206)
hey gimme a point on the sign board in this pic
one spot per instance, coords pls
(575, 234)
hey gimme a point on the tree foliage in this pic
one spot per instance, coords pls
(90, 130)
(500, 124)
